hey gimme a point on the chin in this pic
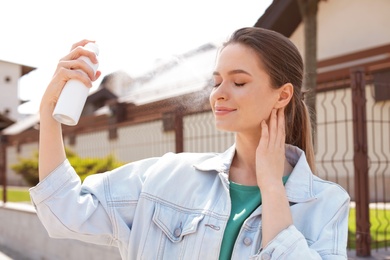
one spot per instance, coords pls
(224, 127)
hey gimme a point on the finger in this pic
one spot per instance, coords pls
(272, 128)
(78, 65)
(81, 51)
(97, 75)
(80, 43)
(264, 138)
(78, 50)
(281, 134)
(65, 75)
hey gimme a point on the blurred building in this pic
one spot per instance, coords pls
(10, 73)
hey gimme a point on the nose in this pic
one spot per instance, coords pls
(219, 92)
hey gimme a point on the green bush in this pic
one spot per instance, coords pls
(28, 167)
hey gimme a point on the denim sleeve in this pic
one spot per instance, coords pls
(331, 243)
(100, 210)
(67, 211)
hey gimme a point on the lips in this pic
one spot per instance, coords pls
(219, 110)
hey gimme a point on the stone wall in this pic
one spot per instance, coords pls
(22, 232)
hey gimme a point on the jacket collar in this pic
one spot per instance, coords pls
(299, 186)
(220, 162)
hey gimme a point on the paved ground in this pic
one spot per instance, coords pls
(6, 254)
(381, 254)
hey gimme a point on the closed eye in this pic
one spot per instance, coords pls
(239, 84)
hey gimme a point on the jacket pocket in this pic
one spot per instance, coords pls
(175, 222)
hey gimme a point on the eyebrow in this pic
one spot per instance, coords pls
(238, 71)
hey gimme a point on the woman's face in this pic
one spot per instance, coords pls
(242, 95)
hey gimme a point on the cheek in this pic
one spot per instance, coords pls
(211, 100)
(262, 109)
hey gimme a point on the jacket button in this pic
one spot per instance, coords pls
(266, 256)
(177, 232)
(247, 241)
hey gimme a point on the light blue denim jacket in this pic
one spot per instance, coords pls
(177, 207)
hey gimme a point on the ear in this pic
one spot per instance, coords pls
(286, 93)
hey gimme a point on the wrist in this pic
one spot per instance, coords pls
(46, 112)
(271, 186)
(270, 183)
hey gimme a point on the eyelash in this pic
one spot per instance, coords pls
(237, 84)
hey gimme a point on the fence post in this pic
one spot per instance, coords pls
(3, 168)
(360, 160)
(179, 135)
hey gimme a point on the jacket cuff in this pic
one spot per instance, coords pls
(282, 243)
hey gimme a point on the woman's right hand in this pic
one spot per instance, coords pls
(270, 153)
(51, 145)
(69, 67)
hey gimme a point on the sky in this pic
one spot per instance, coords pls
(132, 35)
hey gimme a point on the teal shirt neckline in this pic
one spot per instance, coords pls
(245, 199)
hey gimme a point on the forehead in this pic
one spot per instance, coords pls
(238, 56)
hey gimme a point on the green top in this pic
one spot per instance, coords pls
(245, 199)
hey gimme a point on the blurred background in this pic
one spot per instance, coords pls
(157, 59)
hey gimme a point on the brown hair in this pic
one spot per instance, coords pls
(283, 62)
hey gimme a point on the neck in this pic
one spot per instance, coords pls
(243, 168)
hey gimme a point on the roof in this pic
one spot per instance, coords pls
(99, 95)
(22, 125)
(25, 69)
(116, 82)
(5, 121)
(282, 16)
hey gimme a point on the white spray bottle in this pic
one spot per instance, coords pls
(72, 99)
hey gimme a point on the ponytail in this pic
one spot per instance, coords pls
(298, 128)
(307, 140)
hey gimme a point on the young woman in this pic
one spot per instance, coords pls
(257, 200)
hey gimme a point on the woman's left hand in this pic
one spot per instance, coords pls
(270, 153)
